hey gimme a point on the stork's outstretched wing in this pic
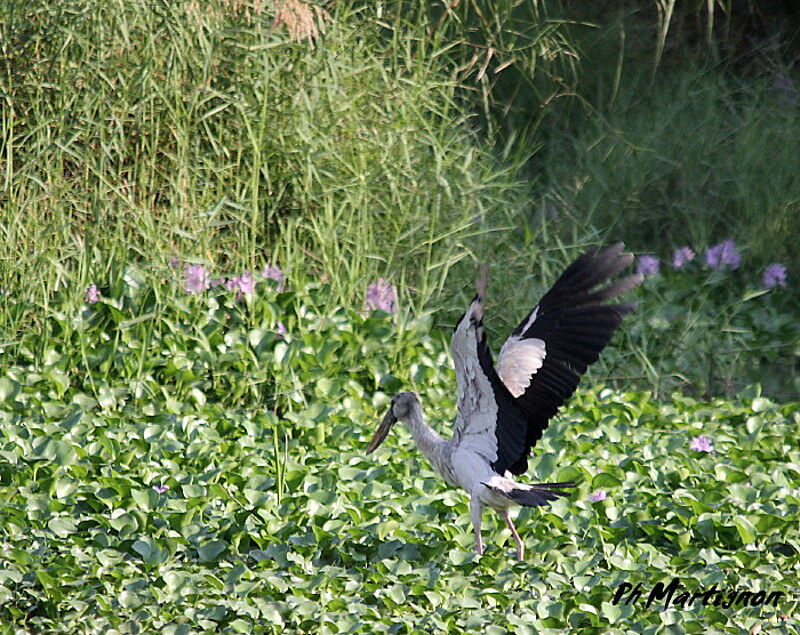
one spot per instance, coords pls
(543, 359)
(503, 410)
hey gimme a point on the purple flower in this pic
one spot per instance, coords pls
(702, 444)
(381, 295)
(244, 285)
(775, 276)
(91, 295)
(681, 256)
(648, 265)
(280, 329)
(723, 253)
(787, 90)
(273, 273)
(597, 496)
(160, 488)
(195, 279)
(174, 262)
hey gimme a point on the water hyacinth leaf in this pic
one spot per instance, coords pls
(55, 450)
(605, 480)
(280, 352)
(8, 389)
(396, 593)
(60, 380)
(62, 488)
(145, 547)
(754, 424)
(746, 530)
(84, 401)
(193, 491)
(175, 580)
(211, 550)
(50, 584)
(124, 524)
(611, 611)
(761, 404)
(62, 526)
(135, 282)
(145, 499)
(569, 473)
(546, 465)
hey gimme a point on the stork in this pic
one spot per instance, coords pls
(503, 409)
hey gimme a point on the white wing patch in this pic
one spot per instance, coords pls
(518, 362)
(531, 319)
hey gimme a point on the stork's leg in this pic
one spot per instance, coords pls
(520, 546)
(475, 513)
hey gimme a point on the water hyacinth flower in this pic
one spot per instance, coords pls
(92, 294)
(786, 89)
(195, 279)
(774, 276)
(722, 254)
(702, 444)
(681, 256)
(597, 496)
(381, 295)
(648, 265)
(273, 272)
(160, 488)
(244, 285)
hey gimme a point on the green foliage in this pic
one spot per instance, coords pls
(141, 132)
(218, 139)
(715, 332)
(273, 518)
(739, 34)
(695, 159)
(511, 57)
(172, 463)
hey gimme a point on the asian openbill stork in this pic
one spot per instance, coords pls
(503, 409)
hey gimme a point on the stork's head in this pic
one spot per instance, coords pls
(401, 408)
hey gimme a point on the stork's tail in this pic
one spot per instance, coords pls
(536, 494)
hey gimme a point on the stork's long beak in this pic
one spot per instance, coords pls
(383, 430)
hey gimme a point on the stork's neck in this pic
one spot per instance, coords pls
(427, 439)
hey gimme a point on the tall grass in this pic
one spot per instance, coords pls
(145, 132)
(372, 139)
(697, 158)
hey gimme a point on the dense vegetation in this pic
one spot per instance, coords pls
(195, 199)
(206, 471)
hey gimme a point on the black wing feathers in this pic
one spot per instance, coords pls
(575, 326)
(512, 428)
